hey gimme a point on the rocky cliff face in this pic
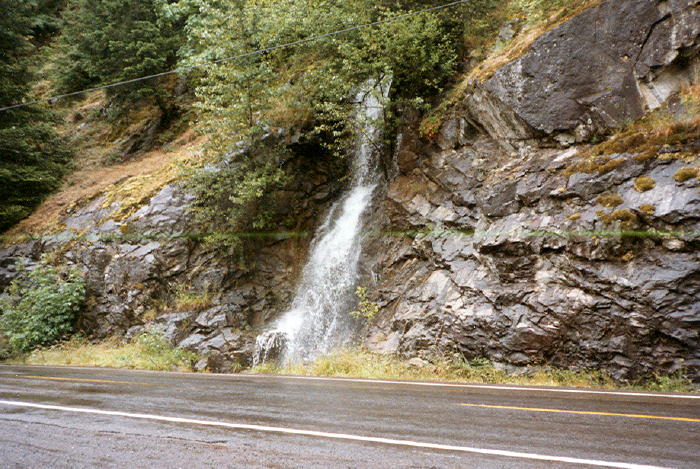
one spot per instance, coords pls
(135, 267)
(605, 67)
(494, 248)
(515, 263)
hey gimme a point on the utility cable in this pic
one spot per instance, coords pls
(237, 57)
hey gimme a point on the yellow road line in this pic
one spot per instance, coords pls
(614, 414)
(56, 378)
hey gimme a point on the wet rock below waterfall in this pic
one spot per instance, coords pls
(270, 347)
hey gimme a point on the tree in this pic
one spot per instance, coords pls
(106, 41)
(306, 88)
(33, 158)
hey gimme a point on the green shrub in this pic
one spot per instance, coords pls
(40, 305)
(154, 347)
(366, 309)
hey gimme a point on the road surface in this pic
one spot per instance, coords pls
(87, 417)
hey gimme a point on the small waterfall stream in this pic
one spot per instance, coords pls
(317, 320)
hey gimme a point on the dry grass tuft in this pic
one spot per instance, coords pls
(644, 183)
(686, 173)
(647, 208)
(598, 164)
(610, 200)
(188, 300)
(627, 219)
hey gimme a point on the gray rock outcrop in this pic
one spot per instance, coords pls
(600, 70)
(524, 270)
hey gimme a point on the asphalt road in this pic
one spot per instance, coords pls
(86, 417)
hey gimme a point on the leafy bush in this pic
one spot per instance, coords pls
(366, 309)
(40, 305)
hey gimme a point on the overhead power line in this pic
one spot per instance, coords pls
(237, 57)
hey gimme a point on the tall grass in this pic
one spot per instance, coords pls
(149, 351)
(357, 362)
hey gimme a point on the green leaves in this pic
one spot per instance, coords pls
(306, 89)
(366, 309)
(39, 306)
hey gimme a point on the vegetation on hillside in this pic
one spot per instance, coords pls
(107, 41)
(306, 89)
(670, 132)
(40, 306)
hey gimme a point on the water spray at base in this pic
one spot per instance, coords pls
(317, 320)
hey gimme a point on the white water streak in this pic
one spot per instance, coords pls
(318, 319)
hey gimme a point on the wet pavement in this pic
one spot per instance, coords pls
(86, 417)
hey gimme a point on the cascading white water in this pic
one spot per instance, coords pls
(317, 320)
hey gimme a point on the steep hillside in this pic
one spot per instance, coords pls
(545, 211)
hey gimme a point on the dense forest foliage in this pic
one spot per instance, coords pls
(32, 157)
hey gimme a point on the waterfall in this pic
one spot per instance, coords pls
(317, 320)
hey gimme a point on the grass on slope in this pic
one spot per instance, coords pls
(360, 363)
(149, 351)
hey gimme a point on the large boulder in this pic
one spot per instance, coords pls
(600, 70)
